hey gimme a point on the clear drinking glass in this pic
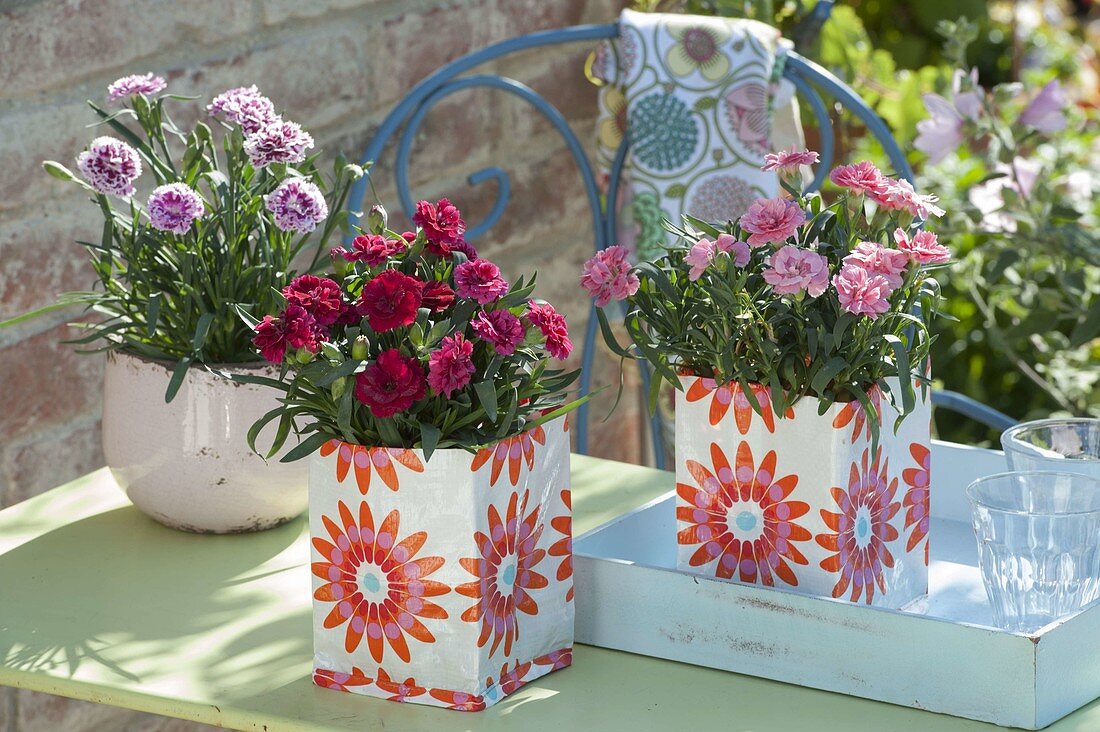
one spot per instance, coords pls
(1038, 544)
(1064, 445)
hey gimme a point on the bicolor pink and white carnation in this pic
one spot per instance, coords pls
(244, 106)
(279, 142)
(110, 166)
(861, 292)
(451, 366)
(174, 207)
(297, 204)
(861, 178)
(699, 257)
(922, 247)
(879, 260)
(899, 195)
(739, 251)
(791, 270)
(609, 276)
(499, 328)
(128, 86)
(480, 281)
(771, 220)
(787, 162)
(552, 325)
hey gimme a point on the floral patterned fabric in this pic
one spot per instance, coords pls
(801, 502)
(450, 583)
(699, 97)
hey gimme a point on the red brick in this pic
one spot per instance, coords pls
(41, 257)
(43, 464)
(46, 384)
(59, 42)
(276, 12)
(30, 136)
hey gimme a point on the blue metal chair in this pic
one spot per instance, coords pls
(807, 77)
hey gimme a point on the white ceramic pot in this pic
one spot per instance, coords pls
(187, 463)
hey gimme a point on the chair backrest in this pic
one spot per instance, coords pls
(810, 80)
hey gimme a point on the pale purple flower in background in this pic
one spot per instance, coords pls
(173, 207)
(941, 133)
(281, 142)
(969, 95)
(791, 270)
(739, 251)
(860, 292)
(700, 257)
(878, 260)
(128, 86)
(297, 205)
(246, 107)
(1046, 112)
(988, 197)
(110, 166)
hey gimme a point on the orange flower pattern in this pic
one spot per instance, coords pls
(861, 529)
(364, 459)
(515, 451)
(563, 547)
(731, 394)
(505, 574)
(379, 587)
(510, 680)
(917, 497)
(854, 414)
(340, 681)
(743, 518)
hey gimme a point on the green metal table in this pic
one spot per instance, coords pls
(98, 602)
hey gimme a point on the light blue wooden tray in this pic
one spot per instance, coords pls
(941, 654)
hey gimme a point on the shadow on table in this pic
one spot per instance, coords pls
(124, 593)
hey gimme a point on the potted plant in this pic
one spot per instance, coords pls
(420, 382)
(798, 338)
(228, 217)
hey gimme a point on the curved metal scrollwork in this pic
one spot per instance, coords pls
(807, 77)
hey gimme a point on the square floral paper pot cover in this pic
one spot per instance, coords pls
(445, 582)
(801, 503)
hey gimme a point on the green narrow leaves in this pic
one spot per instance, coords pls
(152, 315)
(487, 395)
(429, 439)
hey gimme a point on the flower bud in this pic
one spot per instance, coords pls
(338, 388)
(340, 265)
(359, 348)
(376, 219)
(303, 355)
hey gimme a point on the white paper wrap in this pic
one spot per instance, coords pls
(447, 582)
(800, 503)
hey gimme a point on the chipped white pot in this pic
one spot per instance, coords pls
(187, 463)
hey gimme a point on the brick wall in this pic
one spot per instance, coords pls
(335, 66)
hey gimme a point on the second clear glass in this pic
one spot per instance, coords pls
(1062, 445)
(1038, 539)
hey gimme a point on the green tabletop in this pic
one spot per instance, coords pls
(97, 602)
